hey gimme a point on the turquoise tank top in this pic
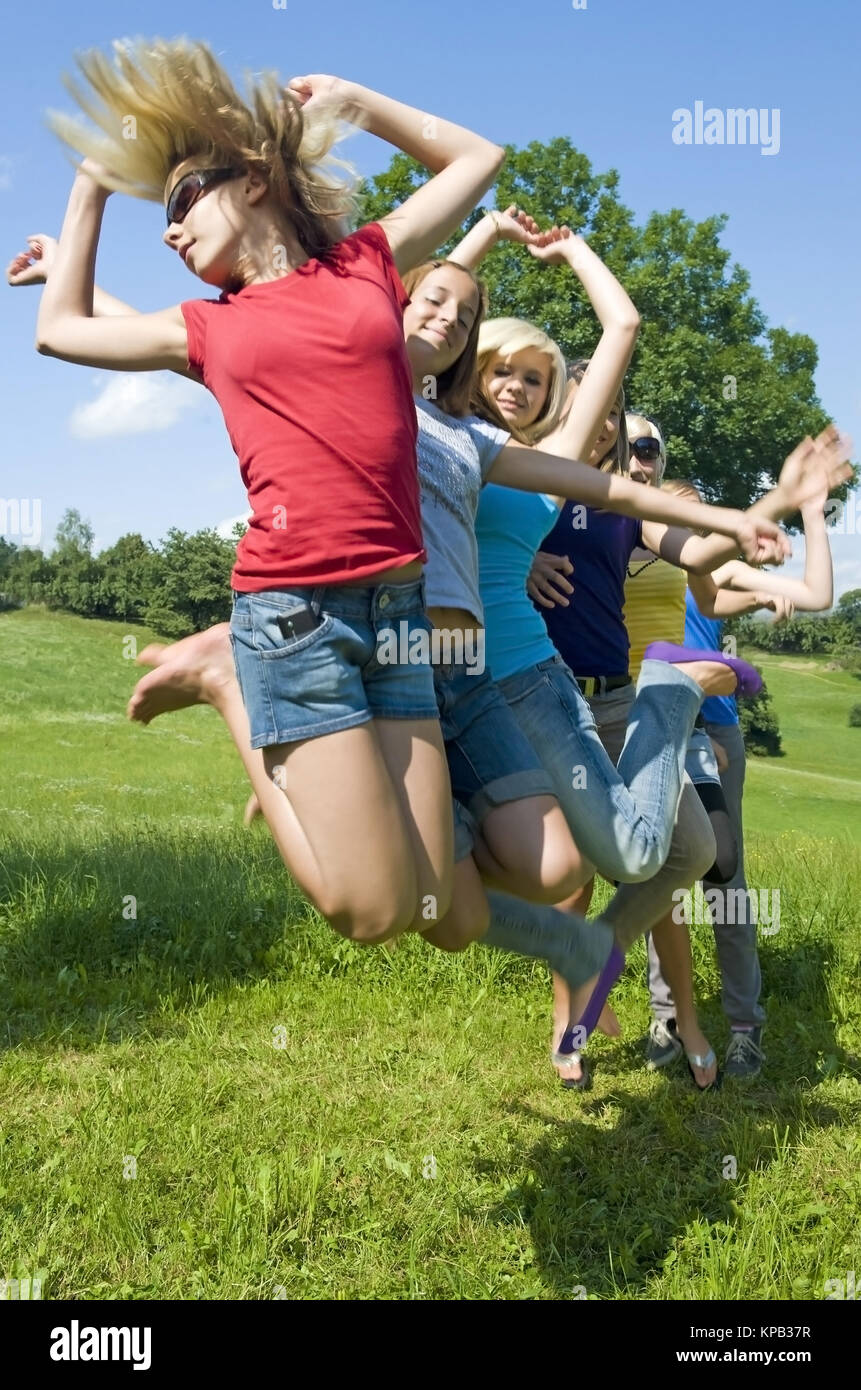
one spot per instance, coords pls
(510, 527)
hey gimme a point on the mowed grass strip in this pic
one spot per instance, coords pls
(205, 1093)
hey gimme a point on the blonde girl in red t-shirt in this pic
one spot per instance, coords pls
(350, 771)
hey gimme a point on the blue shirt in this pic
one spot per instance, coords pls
(707, 633)
(510, 525)
(590, 634)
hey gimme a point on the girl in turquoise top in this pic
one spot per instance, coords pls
(626, 826)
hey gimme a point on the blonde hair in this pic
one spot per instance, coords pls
(641, 426)
(163, 101)
(682, 488)
(506, 336)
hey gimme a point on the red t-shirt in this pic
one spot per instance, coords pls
(312, 377)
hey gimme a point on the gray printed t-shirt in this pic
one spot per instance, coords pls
(455, 456)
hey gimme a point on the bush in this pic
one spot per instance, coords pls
(759, 725)
(855, 717)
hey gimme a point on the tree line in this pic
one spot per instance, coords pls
(179, 586)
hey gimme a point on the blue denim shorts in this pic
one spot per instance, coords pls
(490, 761)
(342, 673)
(700, 761)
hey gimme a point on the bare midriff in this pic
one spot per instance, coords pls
(454, 620)
(399, 574)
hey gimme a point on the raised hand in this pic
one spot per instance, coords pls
(31, 267)
(556, 246)
(513, 224)
(318, 89)
(762, 542)
(815, 467)
(782, 608)
(547, 584)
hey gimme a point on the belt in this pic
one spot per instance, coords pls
(599, 685)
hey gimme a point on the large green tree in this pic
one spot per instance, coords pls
(131, 571)
(733, 395)
(193, 591)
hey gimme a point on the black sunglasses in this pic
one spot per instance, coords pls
(647, 449)
(192, 186)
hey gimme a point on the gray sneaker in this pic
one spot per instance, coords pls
(744, 1056)
(663, 1044)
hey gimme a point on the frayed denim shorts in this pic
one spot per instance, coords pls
(490, 759)
(700, 761)
(352, 666)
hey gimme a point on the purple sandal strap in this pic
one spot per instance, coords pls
(575, 1038)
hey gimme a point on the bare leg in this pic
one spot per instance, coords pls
(526, 848)
(673, 945)
(352, 853)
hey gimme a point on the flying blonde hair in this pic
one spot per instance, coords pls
(162, 101)
(506, 336)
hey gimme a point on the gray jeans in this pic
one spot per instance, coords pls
(741, 980)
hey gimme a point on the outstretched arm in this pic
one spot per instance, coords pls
(532, 470)
(810, 472)
(812, 594)
(33, 266)
(464, 165)
(67, 326)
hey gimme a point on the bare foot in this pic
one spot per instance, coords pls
(194, 671)
(569, 1070)
(713, 676)
(694, 1040)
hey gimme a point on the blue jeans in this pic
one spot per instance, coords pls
(621, 817)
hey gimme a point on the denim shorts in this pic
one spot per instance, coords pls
(701, 763)
(490, 761)
(343, 673)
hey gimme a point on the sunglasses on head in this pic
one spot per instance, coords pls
(192, 186)
(648, 450)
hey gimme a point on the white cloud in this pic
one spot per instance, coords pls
(135, 403)
(225, 528)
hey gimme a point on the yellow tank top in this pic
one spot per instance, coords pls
(654, 606)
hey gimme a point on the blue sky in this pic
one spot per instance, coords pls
(608, 76)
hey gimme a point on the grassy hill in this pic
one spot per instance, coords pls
(205, 1093)
(816, 787)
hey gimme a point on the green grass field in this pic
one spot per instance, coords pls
(216, 1097)
(816, 787)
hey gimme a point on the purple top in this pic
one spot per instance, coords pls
(590, 634)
